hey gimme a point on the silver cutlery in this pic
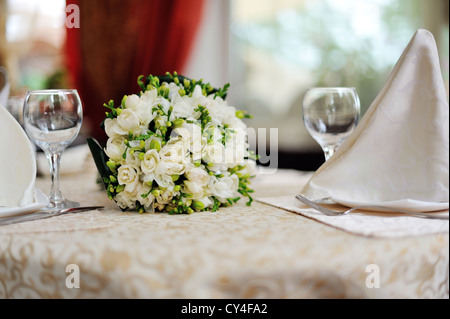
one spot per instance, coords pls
(330, 212)
(45, 214)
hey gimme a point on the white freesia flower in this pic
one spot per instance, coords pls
(226, 187)
(132, 102)
(250, 168)
(193, 137)
(236, 148)
(128, 176)
(174, 152)
(113, 128)
(132, 159)
(164, 172)
(129, 120)
(206, 201)
(197, 175)
(150, 161)
(193, 188)
(214, 153)
(125, 200)
(115, 147)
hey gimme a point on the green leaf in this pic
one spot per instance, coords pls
(100, 159)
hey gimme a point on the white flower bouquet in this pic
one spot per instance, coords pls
(177, 146)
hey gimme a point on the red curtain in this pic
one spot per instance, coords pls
(119, 40)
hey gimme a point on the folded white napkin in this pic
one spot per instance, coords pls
(4, 93)
(17, 163)
(398, 156)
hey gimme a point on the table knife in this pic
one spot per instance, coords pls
(45, 214)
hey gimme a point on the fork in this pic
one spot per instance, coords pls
(330, 212)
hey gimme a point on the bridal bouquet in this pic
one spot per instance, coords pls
(177, 146)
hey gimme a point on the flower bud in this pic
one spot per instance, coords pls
(240, 114)
(175, 177)
(156, 192)
(124, 100)
(154, 145)
(177, 188)
(142, 144)
(178, 122)
(120, 188)
(111, 165)
(197, 205)
(112, 178)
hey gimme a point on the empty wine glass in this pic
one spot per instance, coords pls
(52, 120)
(330, 115)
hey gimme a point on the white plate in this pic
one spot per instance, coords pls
(405, 204)
(41, 201)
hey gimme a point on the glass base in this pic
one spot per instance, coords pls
(62, 205)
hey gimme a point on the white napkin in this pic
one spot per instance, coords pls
(398, 156)
(5, 90)
(17, 163)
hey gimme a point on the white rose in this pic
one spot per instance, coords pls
(226, 187)
(115, 147)
(129, 120)
(164, 171)
(174, 151)
(125, 200)
(145, 107)
(192, 135)
(236, 148)
(250, 168)
(168, 194)
(149, 97)
(148, 199)
(150, 161)
(193, 188)
(127, 175)
(182, 109)
(197, 175)
(132, 159)
(113, 129)
(131, 101)
(205, 200)
(214, 153)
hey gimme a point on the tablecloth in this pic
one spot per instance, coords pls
(238, 252)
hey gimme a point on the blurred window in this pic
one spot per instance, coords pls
(279, 48)
(35, 34)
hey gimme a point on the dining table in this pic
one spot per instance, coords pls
(238, 252)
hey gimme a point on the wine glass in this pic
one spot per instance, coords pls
(52, 120)
(330, 115)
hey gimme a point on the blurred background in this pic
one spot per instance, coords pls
(270, 51)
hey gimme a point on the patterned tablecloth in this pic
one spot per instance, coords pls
(239, 252)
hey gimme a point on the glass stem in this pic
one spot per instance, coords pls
(329, 151)
(54, 160)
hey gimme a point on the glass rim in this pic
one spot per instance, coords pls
(52, 91)
(332, 88)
